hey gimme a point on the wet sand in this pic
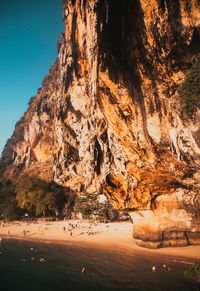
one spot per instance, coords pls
(114, 236)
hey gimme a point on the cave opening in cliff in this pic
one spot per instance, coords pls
(195, 41)
(98, 157)
(110, 182)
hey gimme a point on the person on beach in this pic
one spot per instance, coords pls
(83, 270)
(90, 232)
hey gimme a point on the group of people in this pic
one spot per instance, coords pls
(71, 227)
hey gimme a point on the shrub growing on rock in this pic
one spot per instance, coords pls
(189, 92)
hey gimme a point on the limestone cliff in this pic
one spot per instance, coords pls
(107, 118)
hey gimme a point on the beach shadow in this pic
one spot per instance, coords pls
(96, 232)
(78, 234)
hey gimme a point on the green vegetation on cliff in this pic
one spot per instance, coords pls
(189, 92)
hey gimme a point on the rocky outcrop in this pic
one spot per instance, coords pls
(108, 119)
(169, 223)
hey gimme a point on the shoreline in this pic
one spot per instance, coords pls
(114, 237)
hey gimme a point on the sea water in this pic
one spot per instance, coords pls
(49, 267)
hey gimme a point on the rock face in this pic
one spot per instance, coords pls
(30, 147)
(107, 118)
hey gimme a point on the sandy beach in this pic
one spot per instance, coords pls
(115, 236)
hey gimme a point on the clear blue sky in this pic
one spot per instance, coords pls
(28, 33)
